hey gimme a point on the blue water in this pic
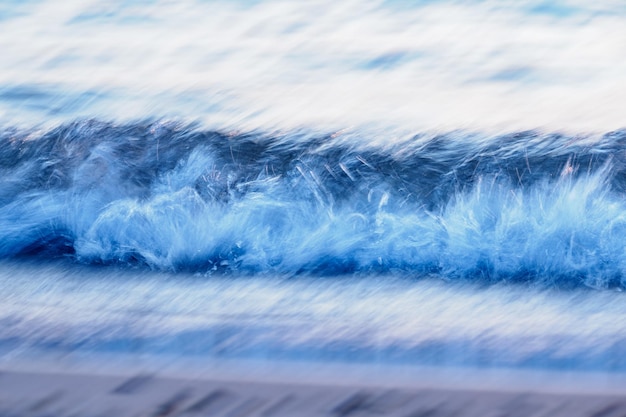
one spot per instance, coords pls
(434, 182)
(544, 208)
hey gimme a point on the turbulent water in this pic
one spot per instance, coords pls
(437, 182)
(518, 207)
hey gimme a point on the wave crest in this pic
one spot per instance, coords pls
(535, 207)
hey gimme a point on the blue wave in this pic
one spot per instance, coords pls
(529, 207)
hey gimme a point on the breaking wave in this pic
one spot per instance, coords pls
(529, 206)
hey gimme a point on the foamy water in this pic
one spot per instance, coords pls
(322, 65)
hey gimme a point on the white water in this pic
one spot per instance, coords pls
(394, 65)
(385, 321)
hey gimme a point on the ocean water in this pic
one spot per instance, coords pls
(430, 183)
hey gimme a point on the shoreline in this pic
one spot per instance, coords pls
(233, 388)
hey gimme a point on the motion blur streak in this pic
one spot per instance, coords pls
(393, 64)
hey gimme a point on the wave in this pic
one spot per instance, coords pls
(531, 207)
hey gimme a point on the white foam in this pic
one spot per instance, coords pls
(478, 65)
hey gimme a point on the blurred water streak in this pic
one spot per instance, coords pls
(278, 65)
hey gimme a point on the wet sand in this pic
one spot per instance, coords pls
(220, 394)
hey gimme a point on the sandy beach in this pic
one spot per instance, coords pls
(266, 393)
